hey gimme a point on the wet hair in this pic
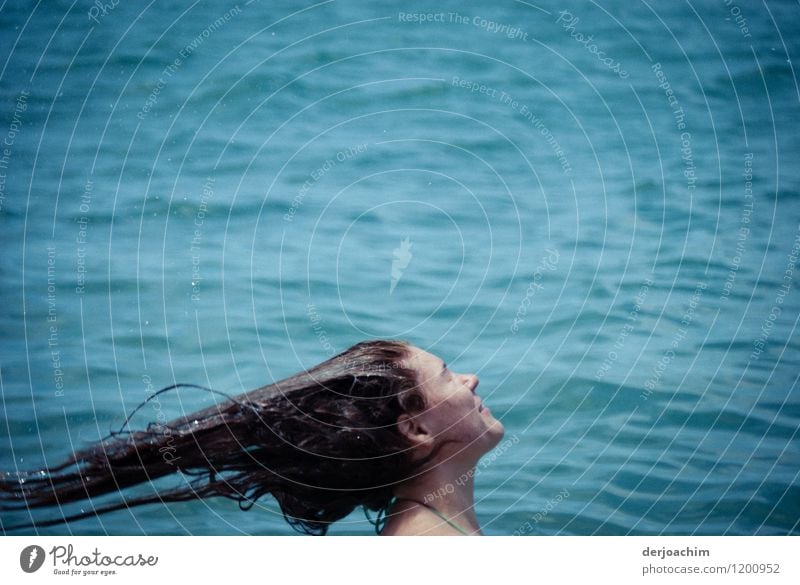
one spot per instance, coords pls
(321, 442)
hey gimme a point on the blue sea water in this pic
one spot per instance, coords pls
(594, 207)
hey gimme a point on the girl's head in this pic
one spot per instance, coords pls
(371, 418)
(453, 412)
(344, 433)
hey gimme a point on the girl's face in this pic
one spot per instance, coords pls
(454, 409)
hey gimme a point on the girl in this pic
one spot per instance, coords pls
(383, 425)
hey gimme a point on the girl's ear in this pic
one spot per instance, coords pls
(413, 429)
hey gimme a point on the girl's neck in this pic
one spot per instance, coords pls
(448, 489)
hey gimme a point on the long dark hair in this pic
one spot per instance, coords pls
(321, 442)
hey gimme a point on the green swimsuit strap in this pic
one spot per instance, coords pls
(380, 521)
(439, 514)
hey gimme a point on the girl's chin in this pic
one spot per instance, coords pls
(495, 429)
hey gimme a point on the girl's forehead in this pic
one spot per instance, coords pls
(425, 361)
